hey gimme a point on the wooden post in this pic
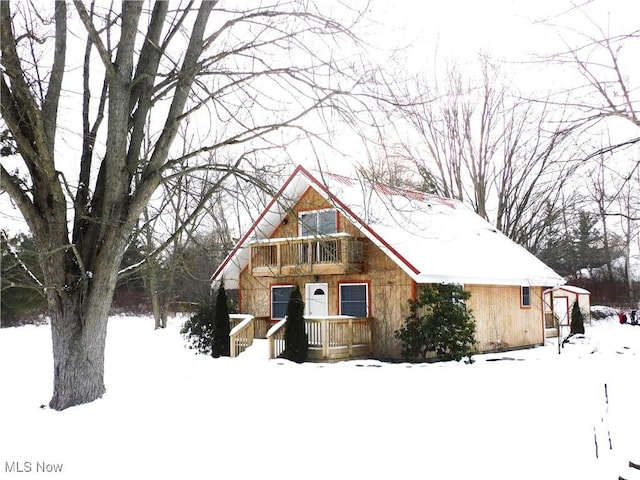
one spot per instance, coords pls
(553, 316)
(271, 344)
(325, 338)
(232, 341)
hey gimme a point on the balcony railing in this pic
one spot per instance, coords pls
(339, 253)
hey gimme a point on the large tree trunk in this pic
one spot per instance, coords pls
(79, 314)
(78, 351)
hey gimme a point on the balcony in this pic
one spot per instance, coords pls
(332, 254)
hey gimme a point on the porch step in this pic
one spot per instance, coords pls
(551, 332)
(259, 350)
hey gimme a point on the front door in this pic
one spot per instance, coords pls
(317, 299)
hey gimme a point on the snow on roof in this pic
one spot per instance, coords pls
(433, 239)
(573, 289)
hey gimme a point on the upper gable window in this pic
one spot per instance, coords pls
(318, 222)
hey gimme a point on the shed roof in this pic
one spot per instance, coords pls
(573, 289)
(433, 239)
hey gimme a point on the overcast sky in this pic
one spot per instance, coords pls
(511, 30)
(504, 28)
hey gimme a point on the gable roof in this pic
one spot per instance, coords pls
(433, 239)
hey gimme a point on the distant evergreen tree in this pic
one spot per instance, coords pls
(221, 346)
(439, 322)
(577, 319)
(295, 337)
(579, 247)
(198, 330)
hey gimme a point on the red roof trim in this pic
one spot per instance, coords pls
(361, 222)
(301, 170)
(255, 224)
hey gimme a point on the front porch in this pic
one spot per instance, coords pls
(330, 338)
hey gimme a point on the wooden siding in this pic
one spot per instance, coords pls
(310, 200)
(501, 323)
(389, 290)
(389, 287)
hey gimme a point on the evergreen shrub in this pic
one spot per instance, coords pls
(221, 346)
(577, 319)
(439, 322)
(295, 337)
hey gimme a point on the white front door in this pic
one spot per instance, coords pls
(317, 299)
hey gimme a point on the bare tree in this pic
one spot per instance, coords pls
(602, 89)
(606, 85)
(251, 75)
(629, 205)
(600, 194)
(481, 142)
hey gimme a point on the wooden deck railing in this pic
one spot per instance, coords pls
(275, 338)
(262, 326)
(338, 253)
(339, 337)
(329, 338)
(242, 334)
(235, 319)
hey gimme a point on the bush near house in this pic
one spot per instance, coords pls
(198, 330)
(439, 322)
(295, 337)
(207, 331)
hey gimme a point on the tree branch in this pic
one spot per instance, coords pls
(52, 99)
(95, 39)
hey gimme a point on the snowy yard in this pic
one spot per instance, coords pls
(168, 413)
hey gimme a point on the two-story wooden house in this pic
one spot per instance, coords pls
(359, 250)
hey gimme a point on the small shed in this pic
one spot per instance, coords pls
(563, 299)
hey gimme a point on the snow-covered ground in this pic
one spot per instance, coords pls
(168, 413)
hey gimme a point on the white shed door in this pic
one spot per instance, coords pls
(561, 309)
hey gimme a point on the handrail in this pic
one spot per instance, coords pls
(275, 338)
(329, 338)
(338, 337)
(241, 336)
(305, 238)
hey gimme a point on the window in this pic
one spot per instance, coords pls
(319, 222)
(525, 297)
(353, 300)
(279, 300)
